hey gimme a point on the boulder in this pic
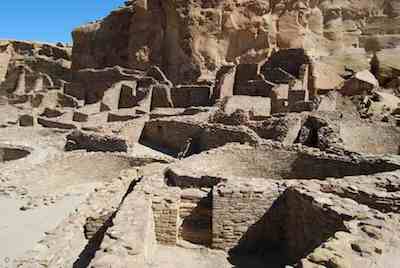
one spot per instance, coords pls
(361, 83)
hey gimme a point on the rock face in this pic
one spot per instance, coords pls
(190, 40)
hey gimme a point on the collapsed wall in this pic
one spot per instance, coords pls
(243, 216)
(27, 66)
(271, 160)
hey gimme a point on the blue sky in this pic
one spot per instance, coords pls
(49, 20)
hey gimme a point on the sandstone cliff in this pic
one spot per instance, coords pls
(190, 40)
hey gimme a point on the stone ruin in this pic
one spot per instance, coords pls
(205, 134)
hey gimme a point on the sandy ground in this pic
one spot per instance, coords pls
(139, 150)
(178, 257)
(49, 184)
(20, 230)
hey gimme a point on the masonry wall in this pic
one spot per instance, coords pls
(356, 87)
(166, 217)
(217, 135)
(93, 142)
(5, 58)
(238, 211)
(132, 130)
(172, 135)
(187, 96)
(307, 224)
(259, 88)
(225, 82)
(195, 217)
(168, 134)
(131, 239)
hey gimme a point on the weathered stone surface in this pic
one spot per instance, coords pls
(56, 123)
(174, 135)
(219, 32)
(28, 66)
(361, 82)
(92, 142)
(187, 96)
(257, 107)
(27, 120)
(131, 240)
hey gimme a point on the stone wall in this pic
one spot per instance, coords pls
(289, 61)
(237, 207)
(26, 66)
(161, 97)
(165, 205)
(255, 88)
(166, 213)
(131, 239)
(132, 130)
(187, 96)
(195, 216)
(95, 142)
(380, 191)
(216, 135)
(174, 135)
(307, 225)
(271, 160)
(225, 82)
(354, 86)
(169, 134)
(284, 129)
(67, 245)
(258, 108)
(279, 99)
(91, 84)
(5, 57)
(254, 218)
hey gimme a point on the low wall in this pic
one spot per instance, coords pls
(274, 161)
(67, 245)
(131, 241)
(173, 135)
(95, 142)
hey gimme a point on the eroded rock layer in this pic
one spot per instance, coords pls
(190, 40)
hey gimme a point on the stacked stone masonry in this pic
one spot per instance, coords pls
(236, 208)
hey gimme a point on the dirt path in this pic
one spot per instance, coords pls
(20, 230)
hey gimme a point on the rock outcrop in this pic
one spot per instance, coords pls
(190, 40)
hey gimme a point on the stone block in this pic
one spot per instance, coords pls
(27, 120)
